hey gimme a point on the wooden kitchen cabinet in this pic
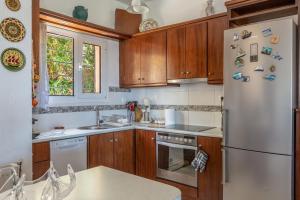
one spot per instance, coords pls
(101, 150)
(130, 62)
(124, 151)
(153, 59)
(40, 159)
(196, 50)
(209, 182)
(146, 154)
(215, 46)
(143, 61)
(187, 51)
(114, 150)
(176, 53)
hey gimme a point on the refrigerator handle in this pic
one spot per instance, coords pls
(224, 126)
(224, 167)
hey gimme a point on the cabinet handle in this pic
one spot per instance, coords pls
(143, 78)
(111, 140)
(139, 79)
(210, 73)
(183, 72)
(188, 72)
(116, 140)
(153, 139)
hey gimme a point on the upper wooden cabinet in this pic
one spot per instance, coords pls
(143, 61)
(146, 154)
(176, 53)
(187, 52)
(114, 150)
(215, 48)
(196, 50)
(130, 62)
(153, 59)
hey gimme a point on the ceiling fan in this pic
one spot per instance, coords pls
(138, 7)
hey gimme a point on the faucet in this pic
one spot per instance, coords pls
(98, 121)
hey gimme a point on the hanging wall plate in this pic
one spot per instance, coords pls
(12, 29)
(259, 69)
(148, 24)
(13, 5)
(274, 39)
(13, 59)
(266, 50)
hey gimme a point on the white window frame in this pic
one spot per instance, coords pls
(80, 98)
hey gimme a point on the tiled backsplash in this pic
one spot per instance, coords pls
(196, 104)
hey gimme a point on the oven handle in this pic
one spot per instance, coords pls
(177, 145)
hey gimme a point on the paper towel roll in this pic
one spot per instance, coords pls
(169, 117)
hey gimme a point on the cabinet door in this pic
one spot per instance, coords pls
(40, 152)
(145, 154)
(196, 50)
(154, 58)
(216, 29)
(130, 62)
(176, 53)
(124, 151)
(209, 181)
(39, 169)
(101, 148)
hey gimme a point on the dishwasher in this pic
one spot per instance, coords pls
(69, 151)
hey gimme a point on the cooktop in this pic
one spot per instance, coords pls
(190, 128)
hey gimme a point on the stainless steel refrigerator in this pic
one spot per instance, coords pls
(259, 99)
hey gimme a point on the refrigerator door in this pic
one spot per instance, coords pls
(259, 113)
(260, 176)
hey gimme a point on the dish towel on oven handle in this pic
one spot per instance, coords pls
(200, 161)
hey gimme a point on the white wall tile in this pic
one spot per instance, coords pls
(201, 118)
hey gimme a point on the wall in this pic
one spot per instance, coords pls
(15, 101)
(101, 12)
(200, 94)
(174, 11)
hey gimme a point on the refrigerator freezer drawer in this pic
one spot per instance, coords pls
(260, 176)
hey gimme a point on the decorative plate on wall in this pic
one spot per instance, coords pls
(12, 29)
(148, 24)
(13, 5)
(13, 59)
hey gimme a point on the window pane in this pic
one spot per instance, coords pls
(60, 65)
(91, 69)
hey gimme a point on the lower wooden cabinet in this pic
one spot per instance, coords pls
(146, 154)
(40, 159)
(114, 150)
(209, 182)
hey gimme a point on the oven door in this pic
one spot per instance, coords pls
(174, 163)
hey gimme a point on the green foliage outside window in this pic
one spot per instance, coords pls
(88, 69)
(60, 65)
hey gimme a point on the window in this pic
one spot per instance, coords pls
(91, 69)
(74, 63)
(60, 65)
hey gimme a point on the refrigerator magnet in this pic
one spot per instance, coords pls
(239, 62)
(259, 69)
(245, 78)
(272, 68)
(254, 52)
(246, 34)
(276, 56)
(267, 32)
(233, 46)
(237, 75)
(274, 39)
(266, 50)
(270, 77)
(241, 53)
(236, 37)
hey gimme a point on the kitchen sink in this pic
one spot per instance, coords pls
(96, 127)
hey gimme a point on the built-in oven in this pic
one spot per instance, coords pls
(175, 153)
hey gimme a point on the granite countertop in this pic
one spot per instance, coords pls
(72, 133)
(102, 183)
